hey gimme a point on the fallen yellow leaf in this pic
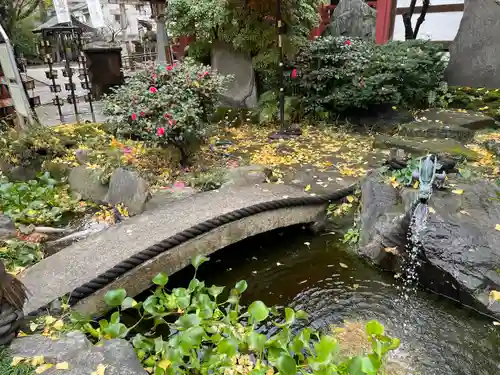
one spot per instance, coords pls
(343, 265)
(33, 326)
(415, 185)
(100, 369)
(43, 368)
(350, 198)
(432, 210)
(148, 369)
(58, 325)
(62, 366)
(392, 250)
(457, 191)
(496, 323)
(163, 364)
(497, 227)
(494, 296)
(308, 187)
(37, 360)
(16, 361)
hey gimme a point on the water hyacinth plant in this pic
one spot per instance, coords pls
(212, 334)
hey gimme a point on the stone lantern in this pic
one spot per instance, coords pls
(158, 13)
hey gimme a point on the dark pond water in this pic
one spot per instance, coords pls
(315, 274)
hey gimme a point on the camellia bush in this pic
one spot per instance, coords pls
(338, 74)
(207, 333)
(166, 105)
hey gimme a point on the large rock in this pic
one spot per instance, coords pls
(87, 182)
(460, 247)
(353, 18)
(83, 358)
(475, 52)
(242, 91)
(128, 188)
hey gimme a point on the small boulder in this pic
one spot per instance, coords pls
(7, 227)
(247, 175)
(83, 358)
(128, 188)
(87, 182)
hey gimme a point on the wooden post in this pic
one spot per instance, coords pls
(385, 20)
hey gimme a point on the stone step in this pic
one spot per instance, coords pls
(428, 129)
(422, 146)
(469, 120)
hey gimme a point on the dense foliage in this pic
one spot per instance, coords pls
(213, 335)
(16, 254)
(248, 26)
(482, 100)
(341, 74)
(166, 105)
(40, 201)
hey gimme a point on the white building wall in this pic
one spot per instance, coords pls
(437, 26)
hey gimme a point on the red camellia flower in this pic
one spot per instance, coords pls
(171, 123)
(167, 115)
(347, 42)
(293, 74)
(153, 90)
(160, 132)
(133, 116)
(142, 114)
(169, 67)
(153, 77)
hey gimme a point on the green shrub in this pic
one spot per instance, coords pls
(482, 100)
(268, 108)
(166, 105)
(210, 334)
(16, 254)
(337, 74)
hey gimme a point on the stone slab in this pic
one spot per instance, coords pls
(468, 120)
(429, 129)
(61, 273)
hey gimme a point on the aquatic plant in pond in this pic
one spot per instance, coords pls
(209, 334)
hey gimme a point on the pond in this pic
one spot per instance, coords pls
(318, 275)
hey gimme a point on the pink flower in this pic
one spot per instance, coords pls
(133, 116)
(153, 90)
(171, 122)
(153, 76)
(160, 132)
(179, 184)
(203, 75)
(169, 67)
(167, 115)
(347, 42)
(142, 114)
(127, 150)
(293, 75)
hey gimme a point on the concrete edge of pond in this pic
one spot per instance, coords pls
(81, 262)
(139, 278)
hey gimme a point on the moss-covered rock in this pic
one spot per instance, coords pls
(422, 146)
(483, 100)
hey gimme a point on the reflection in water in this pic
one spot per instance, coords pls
(317, 275)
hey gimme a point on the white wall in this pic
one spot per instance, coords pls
(437, 26)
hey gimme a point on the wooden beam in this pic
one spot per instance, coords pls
(445, 8)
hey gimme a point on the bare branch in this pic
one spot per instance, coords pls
(421, 18)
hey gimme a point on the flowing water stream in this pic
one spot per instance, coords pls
(318, 275)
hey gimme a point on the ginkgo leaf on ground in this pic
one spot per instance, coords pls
(58, 325)
(37, 360)
(494, 296)
(62, 366)
(497, 227)
(43, 368)
(457, 191)
(100, 369)
(16, 361)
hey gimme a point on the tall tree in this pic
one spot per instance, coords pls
(14, 11)
(410, 32)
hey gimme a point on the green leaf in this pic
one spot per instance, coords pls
(192, 336)
(198, 260)
(374, 328)
(114, 298)
(286, 365)
(161, 279)
(289, 316)
(215, 291)
(301, 314)
(258, 311)
(361, 366)
(228, 347)
(241, 286)
(115, 317)
(326, 348)
(187, 321)
(128, 303)
(256, 341)
(117, 330)
(193, 285)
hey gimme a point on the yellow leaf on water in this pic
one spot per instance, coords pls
(163, 364)
(37, 360)
(457, 191)
(307, 188)
(58, 325)
(497, 227)
(496, 323)
(343, 265)
(62, 366)
(16, 361)
(49, 320)
(43, 368)
(432, 210)
(494, 296)
(350, 198)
